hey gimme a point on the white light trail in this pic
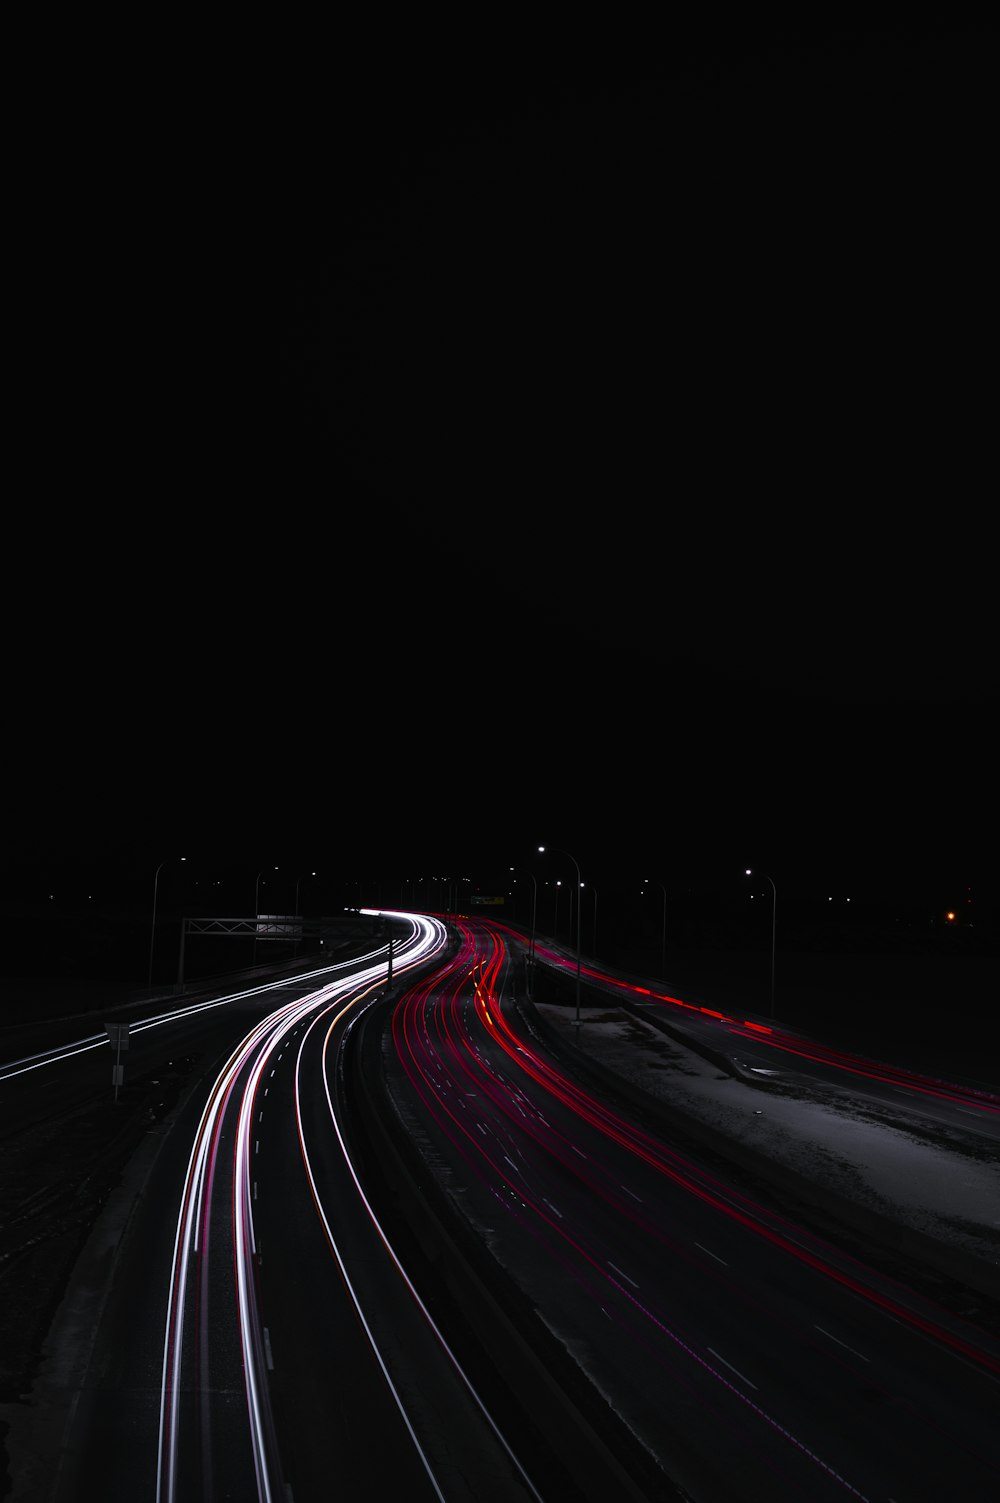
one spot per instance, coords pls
(90, 1041)
(250, 1060)
(383, 1237)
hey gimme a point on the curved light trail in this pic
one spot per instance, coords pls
(217, 1211)
(443, 1052)
(62, 1052)
(591, 1204)
(781, 1040)
(330, 1051)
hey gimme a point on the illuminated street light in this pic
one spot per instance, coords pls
(774, 911)
(152, 927)
(579, 884)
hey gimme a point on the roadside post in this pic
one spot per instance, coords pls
(118, 1037)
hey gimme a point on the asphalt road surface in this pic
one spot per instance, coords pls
(750, 1358)
(389, 1241)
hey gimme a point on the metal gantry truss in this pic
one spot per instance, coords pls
(264, 926)
(269, 925)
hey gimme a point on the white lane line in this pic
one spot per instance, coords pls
(711, 1254)
(623, 1274)
(577, 1150)
(632, 1193)
(843, 1344)
(555, 1210)
(267, 1349)
(719, 1358)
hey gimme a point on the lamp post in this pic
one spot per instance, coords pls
(594, 939)
(534, 909)
(298, 882)
(298, 879)
(663, 932)
(152, 927)
(774, 912)
(256, 910)
(579, 884)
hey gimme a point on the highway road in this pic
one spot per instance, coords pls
(777, 1057)
(749, 1357)
(259, 1339)
(315, 1365)
(389, 1241)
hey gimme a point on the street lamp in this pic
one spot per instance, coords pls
(534, 908)
(256, 896)
(774, 911)
(579, 884)
(256, 909)
(152, 927)
(298, 879)
(663, 941)
(594, 941)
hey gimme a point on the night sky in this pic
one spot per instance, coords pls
(440, 444)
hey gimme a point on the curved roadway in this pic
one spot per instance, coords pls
(392, 1243)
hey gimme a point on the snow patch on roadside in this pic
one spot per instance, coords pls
(930, 1188)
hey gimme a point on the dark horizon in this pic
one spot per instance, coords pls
(596, 458)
